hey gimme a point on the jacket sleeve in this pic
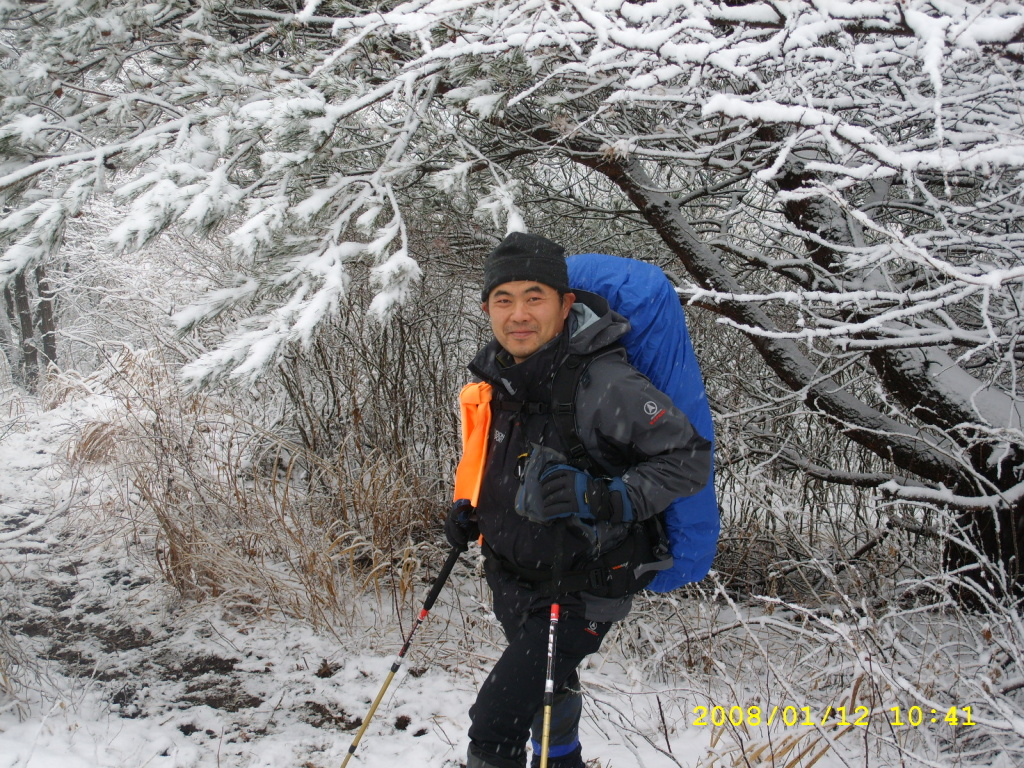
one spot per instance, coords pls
(638, 434)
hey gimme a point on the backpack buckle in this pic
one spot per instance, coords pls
(579, 454)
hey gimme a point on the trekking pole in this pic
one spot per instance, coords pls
(549, 688)
(435, 590)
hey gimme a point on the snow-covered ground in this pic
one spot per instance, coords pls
(125, 674)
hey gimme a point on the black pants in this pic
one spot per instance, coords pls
(512, 696)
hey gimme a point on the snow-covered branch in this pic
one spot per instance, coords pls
(841, 179)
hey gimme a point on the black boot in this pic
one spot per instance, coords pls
(477, 759)
(564, 751)
(572, 760)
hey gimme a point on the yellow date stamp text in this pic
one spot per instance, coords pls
(791, 716)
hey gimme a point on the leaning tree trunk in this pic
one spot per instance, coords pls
(993, 528)
(929, 384)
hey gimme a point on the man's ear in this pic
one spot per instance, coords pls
(567, 301)
(486, 311)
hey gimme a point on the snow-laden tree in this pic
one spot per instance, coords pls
(842, 181)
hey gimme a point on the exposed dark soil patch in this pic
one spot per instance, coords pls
(76, 663)
(123, 638)
(126, 700)
(320, 716)
(327, 669)
(125, 696)
(125, 579)
(205, 664)
(114, 576)
(220, 693)
(402, 723)
(35, 627)
(57, 598)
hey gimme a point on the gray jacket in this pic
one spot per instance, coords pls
(629, 428)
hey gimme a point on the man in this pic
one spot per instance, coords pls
(549, 527)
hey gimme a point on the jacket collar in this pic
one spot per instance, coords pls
(591, 326)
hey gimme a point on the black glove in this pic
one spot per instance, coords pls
(566, 491)
(460, 526)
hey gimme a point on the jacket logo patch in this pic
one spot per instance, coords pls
(499, 437)
(651, 409)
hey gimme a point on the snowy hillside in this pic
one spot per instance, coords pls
(114, 669)
(124, 674)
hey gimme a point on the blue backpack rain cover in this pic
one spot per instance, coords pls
(659, 347)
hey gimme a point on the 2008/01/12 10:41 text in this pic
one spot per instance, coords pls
(791, 716)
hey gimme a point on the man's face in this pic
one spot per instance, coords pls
(526, 315)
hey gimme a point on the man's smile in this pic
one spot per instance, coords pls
(521, 333)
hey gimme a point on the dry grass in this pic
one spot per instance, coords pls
(96, 444)
(867, 636)
(243, 516)
(800, 745)
(12, 664)
(59, 387)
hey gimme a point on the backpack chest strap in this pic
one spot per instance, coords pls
(562, 409)
(520, 407)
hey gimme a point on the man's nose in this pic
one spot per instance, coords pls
(519, 312)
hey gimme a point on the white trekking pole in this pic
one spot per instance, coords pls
(549, 688)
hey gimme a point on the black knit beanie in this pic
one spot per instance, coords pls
(526, 257)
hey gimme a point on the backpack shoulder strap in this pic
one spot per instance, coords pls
(563, 409)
